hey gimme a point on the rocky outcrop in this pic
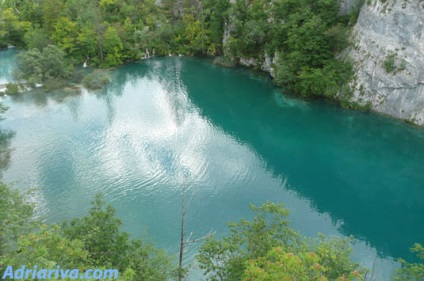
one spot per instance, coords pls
(388, 55)
(265, 63)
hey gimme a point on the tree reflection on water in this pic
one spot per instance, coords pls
(5, 141)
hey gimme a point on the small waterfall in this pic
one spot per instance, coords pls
(85, 63)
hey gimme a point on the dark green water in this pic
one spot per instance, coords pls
(7, 65)
(233, 139)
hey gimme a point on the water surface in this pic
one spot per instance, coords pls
(232, 139)
(7, 65)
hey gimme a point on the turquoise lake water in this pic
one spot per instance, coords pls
(232, 138)
(7, 65)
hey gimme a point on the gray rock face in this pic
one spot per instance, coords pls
(388, 55)
(266, 64)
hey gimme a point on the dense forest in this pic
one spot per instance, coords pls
(305, 37)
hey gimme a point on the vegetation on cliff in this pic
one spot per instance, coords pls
(305, 36)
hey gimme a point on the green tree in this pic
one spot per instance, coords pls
(52, 10)
(216, 14)
(35, 67)
(195, 34)
(307, 42)
(15, 218)
(316, 81)
(142, 39)
(303, 266)
(253, 248)
(112, 47)
(87, 42)
(13, 28)
(92, 241)
(100, 233)
(53, 63)
(27, 10)
(46, 248)
(37, 38)
(65, 35)
(29, 67)
(108, 246)
(411, 271)
(226, 258)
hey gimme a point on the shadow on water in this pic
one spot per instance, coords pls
(6, 137)
(362, 169)
(5, 149)
(7, 65)
(41, 97)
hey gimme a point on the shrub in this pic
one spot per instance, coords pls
(390, 64)
(96, 80)
(36, 67)
(12, 89)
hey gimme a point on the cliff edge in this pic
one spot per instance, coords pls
(387, 52)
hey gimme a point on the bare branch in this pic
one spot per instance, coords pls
(200, 238)
(189, 237)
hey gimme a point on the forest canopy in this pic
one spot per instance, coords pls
(304, 37)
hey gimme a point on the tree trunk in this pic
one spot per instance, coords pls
(180, 262)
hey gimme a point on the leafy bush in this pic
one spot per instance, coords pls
(393, 64)
(36, 67)
(411, 271)
(96, 80)
(15, 218)
(12, 89)
(92, 241)
(390, 63)
(267, 248)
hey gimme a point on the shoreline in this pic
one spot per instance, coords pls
(218, 60)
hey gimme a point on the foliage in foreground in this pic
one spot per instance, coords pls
(93, 241)
(266, 248)
(303, 266)
(15, 218)
(411, 271)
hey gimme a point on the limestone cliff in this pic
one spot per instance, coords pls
(388, 55)
(387, 51)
